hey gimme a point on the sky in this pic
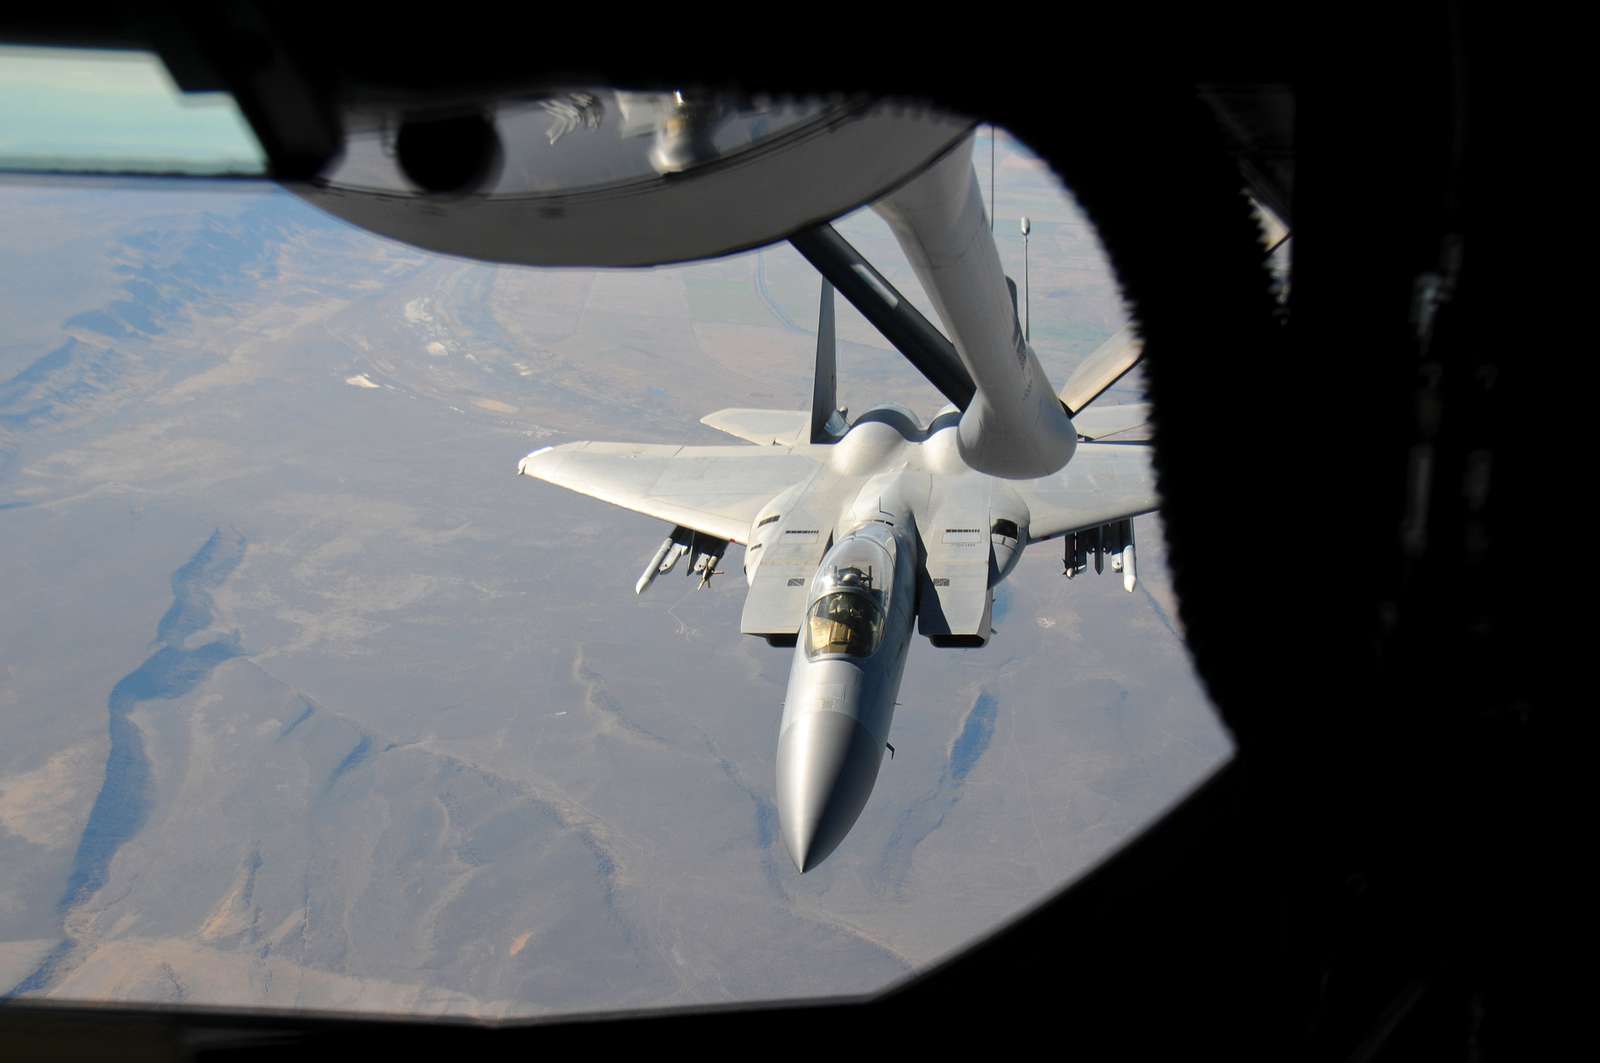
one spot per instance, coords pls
(89, 110)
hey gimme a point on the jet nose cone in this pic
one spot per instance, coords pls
(827, 763)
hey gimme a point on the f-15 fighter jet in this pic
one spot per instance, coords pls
(858, 533)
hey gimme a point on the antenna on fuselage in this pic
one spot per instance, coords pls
(991, 177)
(1027, 302)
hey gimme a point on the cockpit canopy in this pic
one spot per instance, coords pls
(844, 622)
(850, 593)
(861, 561)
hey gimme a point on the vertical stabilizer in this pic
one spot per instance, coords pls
(825, 422)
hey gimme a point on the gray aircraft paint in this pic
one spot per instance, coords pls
(813, 490)
(838, 711)
(885, 467)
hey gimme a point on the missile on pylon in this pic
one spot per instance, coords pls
(656, 566)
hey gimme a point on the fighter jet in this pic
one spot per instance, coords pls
(859, 533)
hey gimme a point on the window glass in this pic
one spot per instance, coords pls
(306, 702)
(862, 561)
(845, 622)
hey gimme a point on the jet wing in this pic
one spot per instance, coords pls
(1103, 483)
(715, 490)
(1108, 422)
(761, 426)
(1104, 366)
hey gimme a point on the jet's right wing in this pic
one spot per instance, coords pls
(715, 490)
(1102, 484)
(1111, 361)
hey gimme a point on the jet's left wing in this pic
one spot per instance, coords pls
(1102, 484)
(764, 427)
(715, 490)
(1104, 366)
